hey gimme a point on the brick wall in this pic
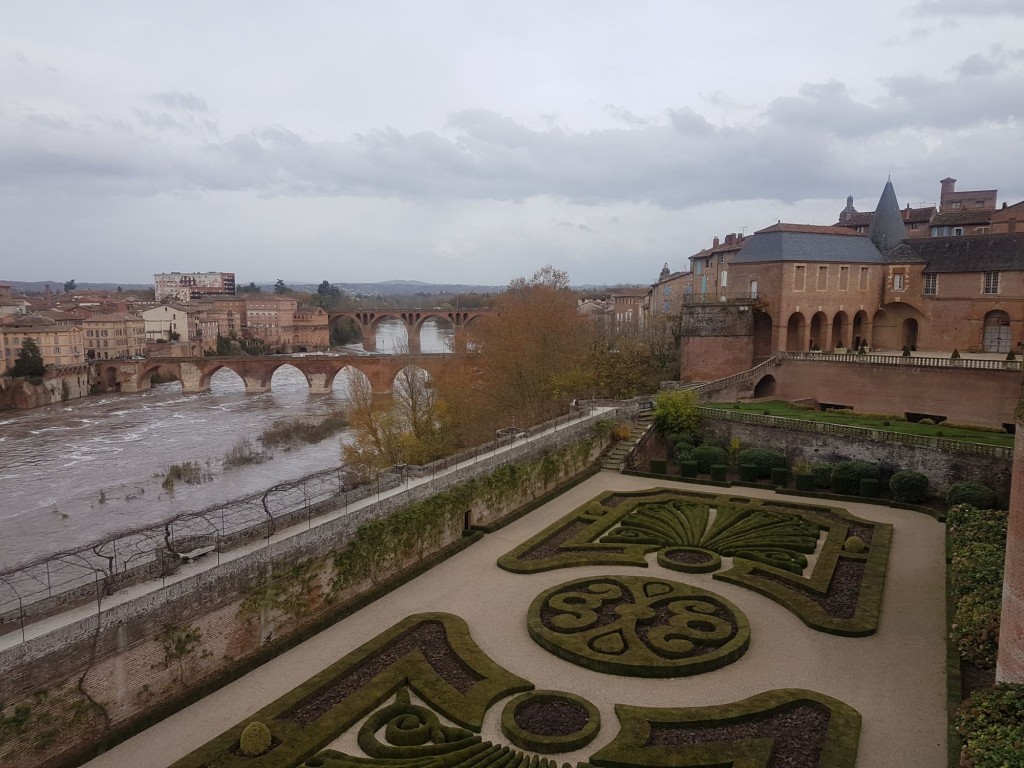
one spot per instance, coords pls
(964, 395)
(76, 684)
(1010, 664)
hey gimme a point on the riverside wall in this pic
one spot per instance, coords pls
(93, 679)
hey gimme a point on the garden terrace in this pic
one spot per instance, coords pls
(441, 669)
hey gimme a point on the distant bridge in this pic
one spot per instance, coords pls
(256, 372)
(367, 319)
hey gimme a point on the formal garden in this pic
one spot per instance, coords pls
(672, 617)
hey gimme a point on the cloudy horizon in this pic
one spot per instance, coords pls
(462, 142)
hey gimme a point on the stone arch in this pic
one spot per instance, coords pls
(207, 379)
(268, 381)
(392, 335)
(861, 329)
(344, 329)
(110, 379)
(348, 379)
(795, 328)
(819, 331)
(436, 332)
(765, 387)
(889, 326)
(763, 331)
(160, 371)
(840, 331)
(908, 334)
(997, 335)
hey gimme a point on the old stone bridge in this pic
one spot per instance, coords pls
(367, 319)
(320, 370)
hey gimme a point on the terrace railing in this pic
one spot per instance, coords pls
(872, 358)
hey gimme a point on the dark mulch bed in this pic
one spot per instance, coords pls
(429, 638)
(840, 601)
(552, 545)
(551, 717)
(688, 556)
(798, 731)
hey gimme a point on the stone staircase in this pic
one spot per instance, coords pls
(615, 457)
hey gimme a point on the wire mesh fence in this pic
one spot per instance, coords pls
(57, 581)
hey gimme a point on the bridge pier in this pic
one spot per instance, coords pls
(255, 383)
(369, 340)
(318, 383)
(414, 338)
(192, 379)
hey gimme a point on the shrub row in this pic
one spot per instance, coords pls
(977, 545)
(991, 724)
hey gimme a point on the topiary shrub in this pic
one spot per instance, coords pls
(846, 476)
(764, 459)
(926, 422)
(804, 482)
(706, 455)
(822, 474)
(748, 473)
(908, 486)
(780, 476)
(718, 472)
(854, 545)
(688, 469)
(595, 508)
(972, 492)
(255, 739)
(658, 466)
(870, 487)
(683, 452)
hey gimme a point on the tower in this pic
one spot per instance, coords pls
(887, 228)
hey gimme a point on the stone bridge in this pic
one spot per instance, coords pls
(367, 319)
(320, 370)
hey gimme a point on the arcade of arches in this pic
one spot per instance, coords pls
(893, 326)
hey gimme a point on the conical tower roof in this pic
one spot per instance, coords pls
(887, 228)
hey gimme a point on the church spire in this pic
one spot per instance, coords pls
(887, 227)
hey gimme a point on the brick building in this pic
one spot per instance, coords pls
(185, 286)
(114, 335)
(59, 345)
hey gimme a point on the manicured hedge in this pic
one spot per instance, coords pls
(706, 455)
(971, 492)
(846, 476)
(909, 486)
(764, 459)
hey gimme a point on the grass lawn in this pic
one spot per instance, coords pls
(781, 408)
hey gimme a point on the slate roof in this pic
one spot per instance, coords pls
(910, 216)
(968, 253)
(800, 242)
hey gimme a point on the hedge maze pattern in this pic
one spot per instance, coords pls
(767, 541)
(433, 656)
(639, 627)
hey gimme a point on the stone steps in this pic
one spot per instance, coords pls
(615, 458)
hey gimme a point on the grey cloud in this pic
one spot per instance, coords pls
(978, 65)
(20, 57)
(182, 100)
(952, 8)
(624, 115)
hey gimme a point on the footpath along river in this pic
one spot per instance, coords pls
(55, 462)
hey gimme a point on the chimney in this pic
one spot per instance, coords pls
(730, 239)
(948, 187)
(714, 243)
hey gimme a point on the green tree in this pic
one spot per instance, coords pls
(675, 412)
(250, 288)
(328, 295)
(69, 286)
(29, 361)
(280, 287)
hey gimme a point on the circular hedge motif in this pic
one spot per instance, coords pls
(550, 721)
(689, 559)
(640, 627)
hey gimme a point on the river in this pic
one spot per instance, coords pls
(75, 473)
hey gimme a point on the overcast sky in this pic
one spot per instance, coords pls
(470, 141)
